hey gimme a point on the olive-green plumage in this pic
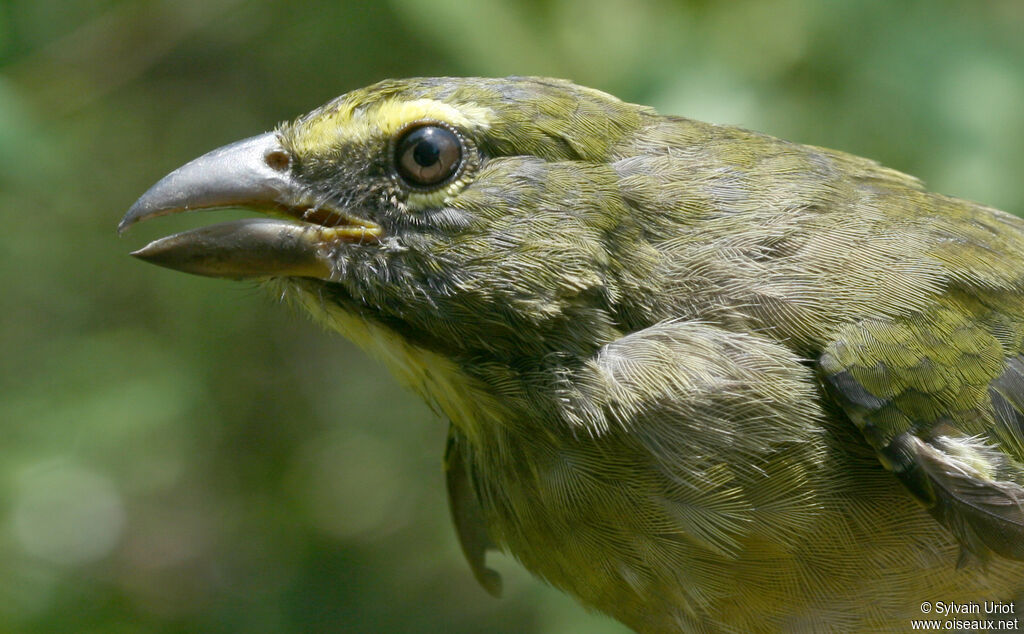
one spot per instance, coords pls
(701, 378)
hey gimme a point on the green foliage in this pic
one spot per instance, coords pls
(185, 455)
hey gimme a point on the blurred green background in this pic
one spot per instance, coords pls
(187, 455)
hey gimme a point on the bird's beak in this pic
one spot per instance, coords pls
(255, 174)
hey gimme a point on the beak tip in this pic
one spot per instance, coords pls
(147, 253)
(236, 175)
(141, 209)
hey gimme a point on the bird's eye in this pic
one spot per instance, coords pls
(428, 155)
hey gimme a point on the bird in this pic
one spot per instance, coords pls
(700, 378)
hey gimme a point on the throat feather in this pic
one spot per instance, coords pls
(449, 391)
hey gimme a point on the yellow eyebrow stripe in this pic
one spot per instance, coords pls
(348, 124)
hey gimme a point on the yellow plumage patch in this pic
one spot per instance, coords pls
(424, 200)
(351, 122)
(447, 389)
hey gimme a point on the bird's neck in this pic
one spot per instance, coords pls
(473, 403)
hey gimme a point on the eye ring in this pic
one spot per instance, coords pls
(428, 155)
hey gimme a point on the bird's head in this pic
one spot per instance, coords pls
(471, 216)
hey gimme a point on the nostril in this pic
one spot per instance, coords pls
(278, 160)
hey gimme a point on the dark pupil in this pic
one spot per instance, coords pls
(426, 153)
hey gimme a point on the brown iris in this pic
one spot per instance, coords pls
(428, 155)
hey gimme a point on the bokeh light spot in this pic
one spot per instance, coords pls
(66, 514)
